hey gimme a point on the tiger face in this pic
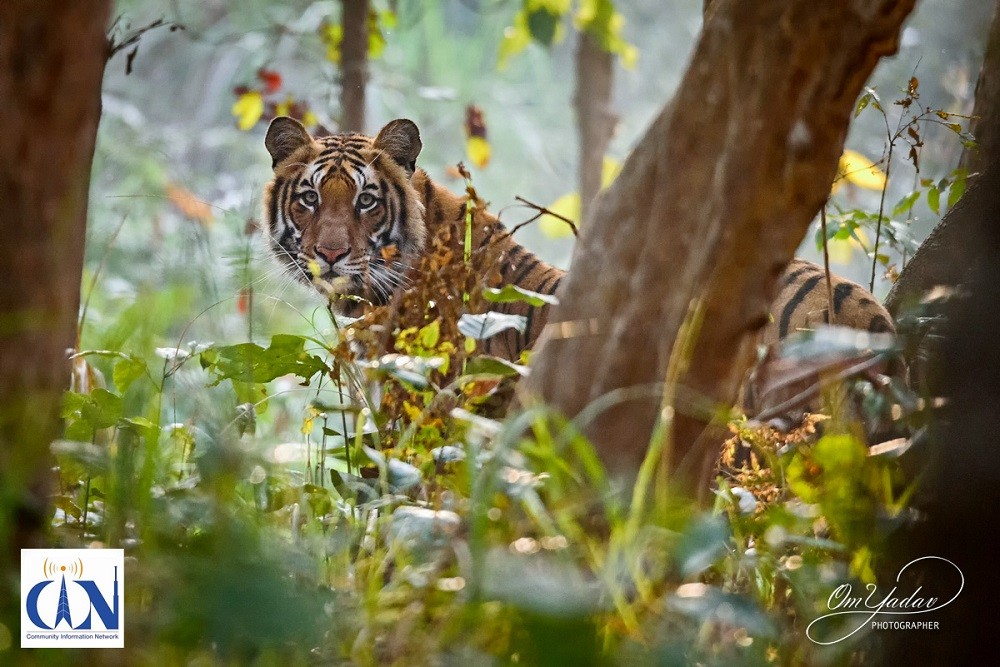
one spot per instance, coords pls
(342, 208)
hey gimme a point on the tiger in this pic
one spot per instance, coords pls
(357, 209)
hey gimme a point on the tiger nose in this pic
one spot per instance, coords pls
(331, 255)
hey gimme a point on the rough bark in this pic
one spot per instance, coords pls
(960, 484)
(945, 256)
(52, 57)
(712, 203)
(354, 65)
(594, 116)
(941, 258)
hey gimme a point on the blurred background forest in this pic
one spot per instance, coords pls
(168, 126)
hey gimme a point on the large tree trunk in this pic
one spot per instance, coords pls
(52, 57)
(354, 65)
(594, 117)
(960, 484)
(943, 256)
(712, 204)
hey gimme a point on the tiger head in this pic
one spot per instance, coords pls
(343, 209)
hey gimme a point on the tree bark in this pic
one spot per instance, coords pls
(986, 111)
(711, 204)
(940, 260)
(594, 116)
(354, 65)
(959, 483)
(52, 57)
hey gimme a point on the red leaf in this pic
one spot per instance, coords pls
(270, 79)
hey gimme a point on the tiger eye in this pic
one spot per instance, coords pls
(309, 197)
(366, 200)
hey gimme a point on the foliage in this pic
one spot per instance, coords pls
(542, 21)
(855, 225)
(387, 517)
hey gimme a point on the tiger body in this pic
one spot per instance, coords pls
(356, 209)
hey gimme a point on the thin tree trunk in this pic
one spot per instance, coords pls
(594, 117)
(354, 65)
(941, 259)
(52, 57)
(711, 204)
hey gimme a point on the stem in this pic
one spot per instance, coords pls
(826, 266)
(878, 226)
(86, 506)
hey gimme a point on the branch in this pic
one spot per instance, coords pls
(541, 211)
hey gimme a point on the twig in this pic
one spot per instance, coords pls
(826, 266)
(542, 211)
(131, 37)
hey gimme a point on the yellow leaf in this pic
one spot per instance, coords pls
(857, 169)
(629, 55)
(332, 35)
(309, 119)
(516, 38)
(567, 206)
(248, 109)
(478, 150)
(284, 108)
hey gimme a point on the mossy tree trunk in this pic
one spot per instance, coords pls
(711, 205)
(52, 57)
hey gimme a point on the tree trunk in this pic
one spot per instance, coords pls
(946, 255)
(711, 204)
(354, 65)
(986, 112)
(960, 482)
(941, 258)
(52, 57)
(594, 117)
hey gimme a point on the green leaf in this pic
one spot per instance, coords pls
(515, 294)
(254, 393)
(862, 103)
(430, 335)
(934, 199)
(905, 204)
(142, 426)
(956, 190)
(103, 409)
(840, 454)
(542, 25)
(702, 545)
(94, 459)
(127, 371)
(485, 325)
(487, 365)
(250, 363)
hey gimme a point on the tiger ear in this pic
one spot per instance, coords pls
(401, 140)
(285, 136)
